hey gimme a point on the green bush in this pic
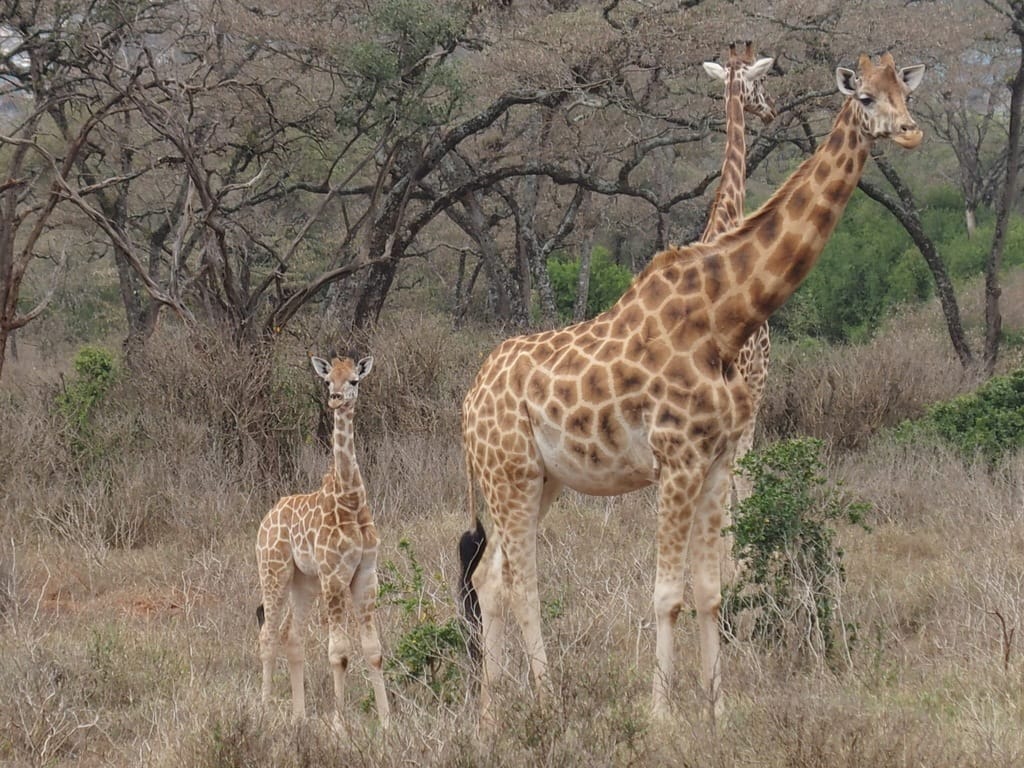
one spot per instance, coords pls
(870, 265)
(988, 422)
(428, 652)
(608, 281)
(791, 569)
(95, 372)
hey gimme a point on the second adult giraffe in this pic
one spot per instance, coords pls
(647, 392)
(744, 78)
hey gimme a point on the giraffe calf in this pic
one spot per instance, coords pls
(323, 542)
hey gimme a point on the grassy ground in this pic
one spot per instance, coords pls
(128, 585)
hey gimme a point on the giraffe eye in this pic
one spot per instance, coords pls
(867, 101)
(353, 382)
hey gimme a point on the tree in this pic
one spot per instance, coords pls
(908, 213)
(259, 162)
(42, 72)
(1012, 12)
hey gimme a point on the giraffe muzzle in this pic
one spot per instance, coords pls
(909, 138)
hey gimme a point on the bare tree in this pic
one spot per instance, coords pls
(254, 163)
(41, 72)
(1012, 13)
(904, 207)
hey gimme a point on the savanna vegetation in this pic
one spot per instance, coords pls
(195, 196)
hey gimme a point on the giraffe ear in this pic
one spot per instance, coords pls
(716, 70)
(912, 76)
(847, 81)
(759, 68)
(321, 366)
(364, 366)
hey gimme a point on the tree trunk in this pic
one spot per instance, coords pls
(475, 225)
(375, 289)
(906, 212)
(384, 239)
(380, 277)
(579, 310)
(972, 222)
(993, 316)
(4, 334)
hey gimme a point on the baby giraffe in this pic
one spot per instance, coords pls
(323, 541)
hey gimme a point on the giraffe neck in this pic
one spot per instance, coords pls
(761, 263)
(346, 468)
(732, 284)
(727, 207)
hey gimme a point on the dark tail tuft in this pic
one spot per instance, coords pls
(260, 615)
(471, 552)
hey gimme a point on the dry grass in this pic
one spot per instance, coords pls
(140, 649)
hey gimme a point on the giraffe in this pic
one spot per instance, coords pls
(744, 92)
(323, 541)
(647, 393)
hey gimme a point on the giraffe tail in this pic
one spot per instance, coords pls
(261, 616)
(471, 552)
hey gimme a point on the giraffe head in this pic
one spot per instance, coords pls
(751, 74)
(342, 375)
(879, 93)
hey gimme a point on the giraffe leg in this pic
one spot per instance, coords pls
(303, 592)
(275, 581)
(364, 599)
(510, 578)
(339, 645)
(742, 487)
(739, 489)
(489, 584)
(525, 591)
(705, 549)
(521, 558)
(270, 636)
(675, 516)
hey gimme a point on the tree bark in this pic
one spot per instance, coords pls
(993, 316)
(579, 310)
(907, 213)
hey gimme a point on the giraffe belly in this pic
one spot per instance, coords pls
(302, 551)
(589, 467)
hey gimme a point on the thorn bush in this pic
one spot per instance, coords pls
(791, 567)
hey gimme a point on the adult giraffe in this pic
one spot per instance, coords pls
(647, 392)
(744, 78)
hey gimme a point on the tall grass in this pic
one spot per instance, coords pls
(128, 581)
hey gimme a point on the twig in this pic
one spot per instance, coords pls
(1008, 633)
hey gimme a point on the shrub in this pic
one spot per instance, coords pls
(792, 570)
(95, 372)
(608, 281)
(871, 266)
(428, 652)
(989, 421)
(421, 371)
(253, 405)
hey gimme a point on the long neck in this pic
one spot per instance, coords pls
(727, 207)
(751, 271)
(346, 468)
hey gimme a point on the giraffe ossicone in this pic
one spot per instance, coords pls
(648, 392)
(323, 542)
